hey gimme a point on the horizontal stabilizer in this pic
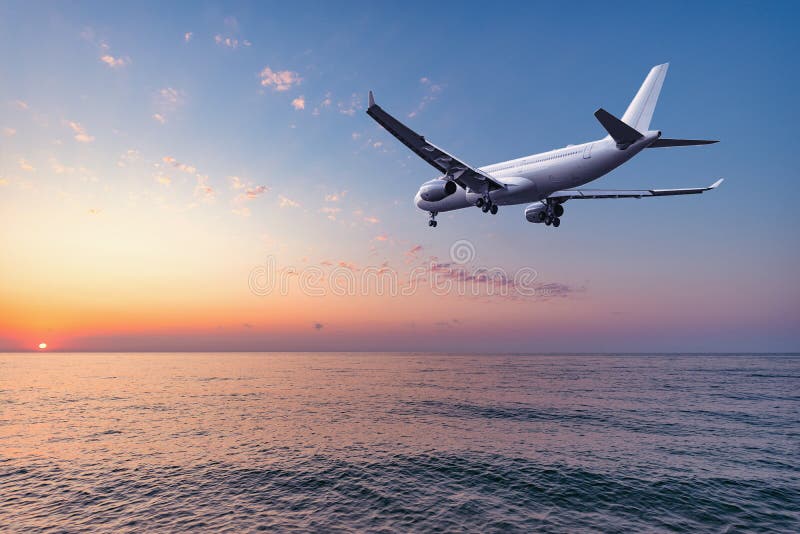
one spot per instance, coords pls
(661, 143)
(623, 134)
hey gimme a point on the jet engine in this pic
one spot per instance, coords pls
(536, 212)
(436, 190)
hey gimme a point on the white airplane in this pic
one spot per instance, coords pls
(544, 179)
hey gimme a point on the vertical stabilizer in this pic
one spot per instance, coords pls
(640, 111)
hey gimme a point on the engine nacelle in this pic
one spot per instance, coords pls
(536, 212)
(436, 190)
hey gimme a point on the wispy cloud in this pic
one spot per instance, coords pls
(432, 93)
(21, 104)
(80, 132)
(236, 182)
(187, 37)
(203, 190)
(114, 62)
(190, 169)
(350, 108)
(231, 42)
(285, 202)
(256, 191)
(104, 49)
(281, 80)
(335, 197)
(299, 103)
(170, 98)
(128, 157)
(25, 166)
(372, 220)
(331, 212)
(9, 132)
(413, 253)
(167, 101)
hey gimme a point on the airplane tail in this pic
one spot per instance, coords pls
(637, 117)
(640, 111)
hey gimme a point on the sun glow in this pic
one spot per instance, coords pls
(42, 346)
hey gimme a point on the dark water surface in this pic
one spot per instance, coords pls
(408, 442)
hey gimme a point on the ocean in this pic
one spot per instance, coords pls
(367, 442)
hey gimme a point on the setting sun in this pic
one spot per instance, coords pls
(42, 346)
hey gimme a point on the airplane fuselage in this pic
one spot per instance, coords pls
(535, 177)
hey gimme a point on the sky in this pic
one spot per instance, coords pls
(202, 176)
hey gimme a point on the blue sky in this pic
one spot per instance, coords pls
(124, 110)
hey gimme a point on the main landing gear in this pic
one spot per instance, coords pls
(554, 212)
(486, 205)
(432, 223)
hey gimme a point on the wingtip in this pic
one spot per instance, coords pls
(716, 184)
(371, 99)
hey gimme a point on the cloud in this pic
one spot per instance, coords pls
(372, 220)
(432, 90)
(331, 212)
(326, 103)
(382, 237)
(58, 168)
(236, 182)
(318, 326)
(413, 253)
(242, 211)
(350, 108)
(21, 104)
(25, 166)
(9, 132)
(159, 118)
(163, 179)
(231, 42)
(189, 169)
(299, 103)
(3, 181)
(256, 191)
(128, 157)
(282, 80)
(202, 190)
(187, 37)
(335, 197)
(80, 132)
(170, 97)
(355, 135)
(285, 202)
(94, 211)
(114, 62)
(348, 265)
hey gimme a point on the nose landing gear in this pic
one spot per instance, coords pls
(432, 222)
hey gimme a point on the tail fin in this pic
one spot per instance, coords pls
(640, 110)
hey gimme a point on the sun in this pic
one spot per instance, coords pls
(42, 346)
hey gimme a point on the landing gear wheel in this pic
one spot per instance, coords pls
(485, 208)
(479, 202)
(558, 210)
(493, 209)
(548, 221)
(432, 224)
(556, 222)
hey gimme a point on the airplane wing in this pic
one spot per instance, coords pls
(464, 175)
(569, 194)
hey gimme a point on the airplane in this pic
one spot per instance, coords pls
(546, 180)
